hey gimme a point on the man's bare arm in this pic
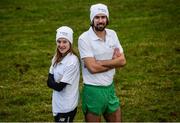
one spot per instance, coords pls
(93, 66)
(114, 63)
(117, 61)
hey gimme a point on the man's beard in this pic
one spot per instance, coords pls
(100, 27)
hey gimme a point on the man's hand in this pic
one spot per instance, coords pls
(116, 53)
(94, 66)
(118, 60)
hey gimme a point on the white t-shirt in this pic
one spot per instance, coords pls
(66, 71)
(90, 45)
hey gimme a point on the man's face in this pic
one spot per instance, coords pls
(100, 22)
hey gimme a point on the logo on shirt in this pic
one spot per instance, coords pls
(112, 46)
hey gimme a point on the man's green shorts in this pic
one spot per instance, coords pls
(99, 99)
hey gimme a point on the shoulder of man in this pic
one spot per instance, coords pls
(110, 31)
(84, 35)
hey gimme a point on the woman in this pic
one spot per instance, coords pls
(63, 77)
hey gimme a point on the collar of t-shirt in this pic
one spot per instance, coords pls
(94, 36)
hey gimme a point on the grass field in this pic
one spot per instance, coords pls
(148, 86)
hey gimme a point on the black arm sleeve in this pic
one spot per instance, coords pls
(54, 85)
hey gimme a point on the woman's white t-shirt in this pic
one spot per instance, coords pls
(66, 71)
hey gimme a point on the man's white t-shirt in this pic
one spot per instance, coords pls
(66, 71)
(90, 45)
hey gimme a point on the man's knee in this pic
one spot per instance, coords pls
(114, 116)
(91, 117)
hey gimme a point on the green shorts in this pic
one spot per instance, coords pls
(99, 99)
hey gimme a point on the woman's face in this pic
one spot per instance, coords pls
(63, 45)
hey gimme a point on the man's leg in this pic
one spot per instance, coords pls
(93, 102)
(90, 117)
(113, 117)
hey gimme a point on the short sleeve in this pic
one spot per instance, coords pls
(70, 72)
(51, 69)
(85, 49)
(118, 44)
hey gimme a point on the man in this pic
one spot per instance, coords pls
(100, 53)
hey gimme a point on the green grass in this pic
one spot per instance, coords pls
(148, 86)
